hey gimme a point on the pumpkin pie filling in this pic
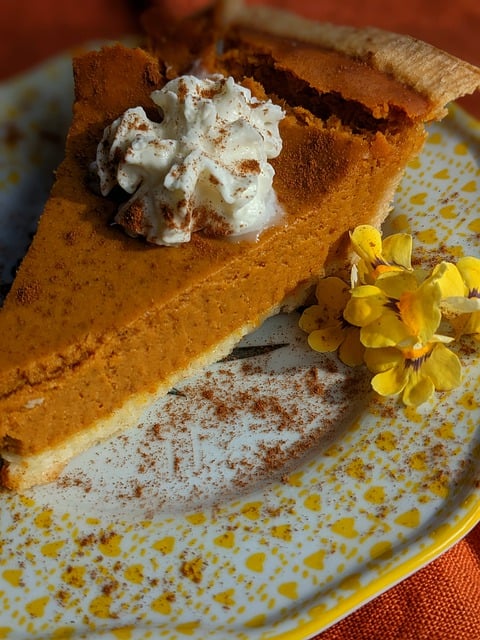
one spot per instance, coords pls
(97, 323)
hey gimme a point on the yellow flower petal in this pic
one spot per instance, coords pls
(390, 382)
(378, 360)
(395, 283)
(420, 311)
(327, 339)
(469, 267)
(378, 258)
(443, 368)
(461, 302)
(366, 305)
(351, 349)
(387, 330)
(417, 390)
(397, 250)
(311, 318)
(367, 243)
(449, 280)
(332, 294)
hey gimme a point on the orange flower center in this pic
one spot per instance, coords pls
(384, 268)
(415, 353)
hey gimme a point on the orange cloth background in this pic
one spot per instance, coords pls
(441, 601)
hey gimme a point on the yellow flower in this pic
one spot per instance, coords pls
(397, 311)
(379, 258)
(460, 287)
(324, 322)
(414, 373)
(390, 316)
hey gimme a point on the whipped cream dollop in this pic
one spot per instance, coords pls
(204, 166)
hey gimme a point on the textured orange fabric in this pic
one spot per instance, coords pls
(442, 600)
(439, 602)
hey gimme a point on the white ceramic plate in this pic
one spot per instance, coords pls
(272, 495)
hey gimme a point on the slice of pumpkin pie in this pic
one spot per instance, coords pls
(204, 188)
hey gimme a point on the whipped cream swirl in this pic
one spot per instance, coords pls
(204, 166)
